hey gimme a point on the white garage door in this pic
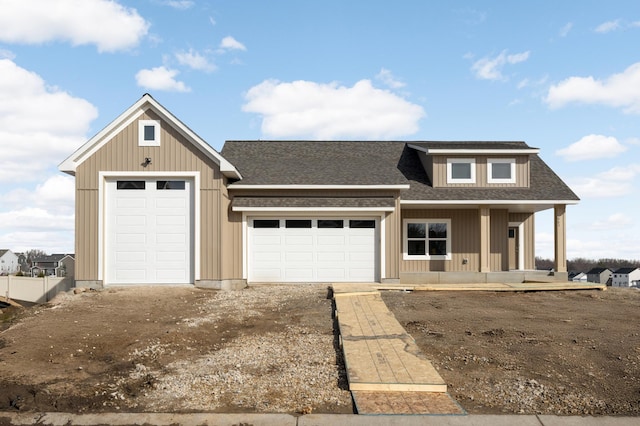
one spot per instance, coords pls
(313, 250)
(148, 231)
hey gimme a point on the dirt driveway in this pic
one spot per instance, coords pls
(574, 352)
(176, 349)
(274, 349)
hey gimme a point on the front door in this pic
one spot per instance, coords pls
(513, 248)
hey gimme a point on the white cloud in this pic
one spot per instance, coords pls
(615, 221)
(564, 31)
(179, 4)
(36, 219)
(615, 182)
(105, 23)
(7, 54)
(592, 147)
(195, 60)
(230, 43)
(608, 26)
(491, 68)
(329, 111)
(160, 78)
(52, 241)
(632, 141)
(386, 77)
(39, 126)
(619, 91)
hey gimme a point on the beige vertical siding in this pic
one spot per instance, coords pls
(465, 243)
(393, 242)
(499, 257)
(528, 220)
(122, 153)
(232, 247)
(440, 171)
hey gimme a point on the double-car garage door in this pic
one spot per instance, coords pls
(331, 249)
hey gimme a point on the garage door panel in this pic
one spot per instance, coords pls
(328, 253)
(148, 234)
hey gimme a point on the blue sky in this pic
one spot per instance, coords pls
(562, 76)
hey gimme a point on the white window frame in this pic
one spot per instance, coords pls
(426, 256)
(472, 166)
(156, 132)
(492, 161)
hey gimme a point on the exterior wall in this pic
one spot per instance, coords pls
(122, 153)
(439, 173)
(232, 256)
(600, 278)
(625, 280)
(529, 237)
(465, 243)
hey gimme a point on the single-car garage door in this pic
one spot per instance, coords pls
(313, 250)
(148, 236)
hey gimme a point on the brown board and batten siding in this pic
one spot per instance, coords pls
(439, 171)
(122, 154)
(465, 233)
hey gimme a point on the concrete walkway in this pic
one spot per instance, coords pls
(211, 419)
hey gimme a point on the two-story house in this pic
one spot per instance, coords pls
(626, 277)
(57, 265)
(599, 275)
(8, 262)
(155, 204)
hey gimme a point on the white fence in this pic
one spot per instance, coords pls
(36, 290)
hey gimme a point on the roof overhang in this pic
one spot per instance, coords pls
(244, 186)
(530, 206)
(465, 151)
(144, 104)
(313, 204)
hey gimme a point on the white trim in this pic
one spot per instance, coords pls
(381, 271)
(71, 163)
(472, 169)
(102, 178)
(156, 132)
(465, 151)
(492, 161)
(312, 209)
(242, 186)
(520, 226)
(426, 256)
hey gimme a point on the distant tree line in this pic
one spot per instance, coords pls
(581, 264)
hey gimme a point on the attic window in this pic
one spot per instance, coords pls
(501, 170)
(149, 133)
(461, 170)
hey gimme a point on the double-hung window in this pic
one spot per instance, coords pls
(461, 170)
(501, 170)
(428, 239)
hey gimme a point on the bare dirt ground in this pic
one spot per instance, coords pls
(175, 349)
(274, 349)
(574, 352)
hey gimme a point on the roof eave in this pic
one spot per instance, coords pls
(464, 151)
(295, 186)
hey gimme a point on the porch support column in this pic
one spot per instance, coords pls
(485, 240)
(560, 237)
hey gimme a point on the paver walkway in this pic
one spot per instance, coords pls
(387, 372)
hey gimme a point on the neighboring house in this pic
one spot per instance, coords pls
(156, 204)
(24, 263)
(57, 265)
(580, 277)
(626, 277)
(8, 262)
(599, 275)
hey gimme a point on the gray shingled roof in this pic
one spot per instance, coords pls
(299, 202)
(315, 163)
(378, 163)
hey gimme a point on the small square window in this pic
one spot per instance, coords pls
(148, 133)
(461, 170)
(501, 170)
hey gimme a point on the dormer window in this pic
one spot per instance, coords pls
(461, 170)
(149, 133)
(501, 170)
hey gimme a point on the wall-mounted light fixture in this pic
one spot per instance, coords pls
(147, 161)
